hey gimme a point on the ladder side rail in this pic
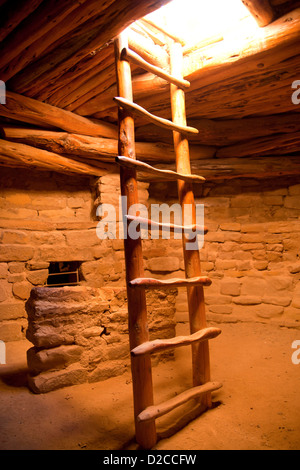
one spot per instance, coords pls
(195, 294)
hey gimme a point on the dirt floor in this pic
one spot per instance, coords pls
(258, 407)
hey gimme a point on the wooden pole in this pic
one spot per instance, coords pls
(195, 294)
(137, 310)
(261, 10)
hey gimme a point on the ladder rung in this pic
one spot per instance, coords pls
(161, 122)
(130, 56)
(150, 283)
(167, 175)
(155, 411)
(151, 224)
(163, 344)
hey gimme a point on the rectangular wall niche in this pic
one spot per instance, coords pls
(63, 273)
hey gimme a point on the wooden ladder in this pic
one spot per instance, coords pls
(145, 412)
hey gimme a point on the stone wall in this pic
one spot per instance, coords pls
(251, 251)
(47, 217)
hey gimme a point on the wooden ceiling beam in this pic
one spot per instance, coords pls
(231, 168)
(228, 132)
(28, 110)
(97, 148)
(11, 17)
(84, 72)
(55, 37)
(266, 46)
(24, 155)
(261, 10)
(42, 78)
(279, 144)
(234, 71)
(36, 25)
(142, 84)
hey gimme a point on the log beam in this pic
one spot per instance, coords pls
(261, 10)
(15, 154)
(141, 84)
(272, 43)
(228, 132)
(275, 145)
(25, 109)
(11, 16)
(96, 147)
(45, 75)
(33, 27)
(230, 168)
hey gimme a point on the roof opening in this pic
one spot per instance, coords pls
(194, 21)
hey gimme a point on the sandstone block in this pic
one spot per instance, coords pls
(75, 202)
(37, 265)
(218, 237)
(253, 237)
(54, 358)
(273, 200)
(277, 247)
(83, 238)
(253, 286)
(244, 265)
(268, 311)
(222, 309)
(107, 370)
(16, 252)
(260, 265)
(63, 253)
(3, 270)
(284, 301)
(12, 310)
(207, 266)
(15, 237)
(118, 351)
(230, 287)
(11, 330)
(292, 202)
(295, 268)
(16, 267)
(22, 290)
(5, 290)
(279, 283)
(294, 190)
(296, 301)
(38, 277)
(253, 228)
(163, 264)
(48, 381)
(217, 299)
(231, 226)
(57, 316)
(48, 237)
(224, 264)
(246, 200)
(92, 331)
(247, 300)
(18, 198)
(14, 213)
(48, 336)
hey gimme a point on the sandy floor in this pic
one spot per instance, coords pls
(257, 408)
